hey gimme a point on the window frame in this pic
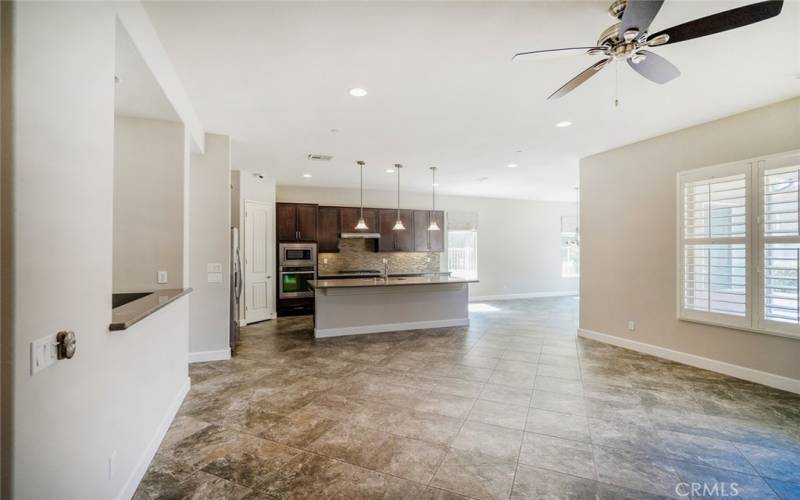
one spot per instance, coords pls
(474, 233)
(753, 241)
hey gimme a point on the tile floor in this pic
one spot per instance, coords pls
(514, 406)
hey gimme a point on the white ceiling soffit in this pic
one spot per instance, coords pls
(142, 33)
(136, 92)
(442, 89)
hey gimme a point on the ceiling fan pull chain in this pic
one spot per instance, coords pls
(616, 84)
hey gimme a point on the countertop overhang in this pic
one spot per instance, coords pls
(380, 282)
(127, 315)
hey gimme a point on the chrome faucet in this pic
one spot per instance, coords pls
(386, 269)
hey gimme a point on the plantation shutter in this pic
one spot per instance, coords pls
(714, 234)
(779, 223)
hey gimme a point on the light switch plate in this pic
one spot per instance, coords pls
(162, 277)
(215, 277)
(43, 353)
(212, 267)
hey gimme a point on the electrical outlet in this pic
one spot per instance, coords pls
(162, 277)
(324, 260)
(43, 353)
(214, 277)
(631, 325)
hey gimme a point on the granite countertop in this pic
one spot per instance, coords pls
(332, 276)
(126, 315)
(396, 281)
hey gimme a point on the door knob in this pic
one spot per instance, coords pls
(65, 344)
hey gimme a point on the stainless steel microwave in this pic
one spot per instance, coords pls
(298, 254)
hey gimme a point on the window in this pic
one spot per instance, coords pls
(570, 249)
(739, 245)
(462, 253)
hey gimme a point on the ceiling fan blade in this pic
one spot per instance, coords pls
(722, 21)
(638, 15)
(655, 68)
(536, 55)
(582, 77)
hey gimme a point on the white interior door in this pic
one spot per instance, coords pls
(257, 275)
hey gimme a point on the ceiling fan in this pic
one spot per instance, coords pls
(629, 38)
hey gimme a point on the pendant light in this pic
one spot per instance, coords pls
(434, 226)
(362, 224)
(398, 225)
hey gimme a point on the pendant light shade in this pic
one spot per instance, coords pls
(362, 224)
(398, 225)
(434, 226)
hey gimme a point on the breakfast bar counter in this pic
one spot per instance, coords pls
(372, 305)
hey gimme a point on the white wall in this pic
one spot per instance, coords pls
(628, 237)
(119, 390)
(246, 186)
(209, 312)
(148, 203)
(519, 241)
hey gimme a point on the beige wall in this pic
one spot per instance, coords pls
(628, 237)
(519, 241)
(62, 425)
(148, 203)
(209, 302)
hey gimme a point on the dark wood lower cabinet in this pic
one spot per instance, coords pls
(295, 307)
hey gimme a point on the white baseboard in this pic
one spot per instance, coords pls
(152, 447)
(201, 356)
(529, 295)
(389, 327)
(744, 373)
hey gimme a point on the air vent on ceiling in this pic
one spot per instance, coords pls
(320, 157)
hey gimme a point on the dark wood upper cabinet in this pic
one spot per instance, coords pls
(424, 240)
(421, 230)
(349, 219)
(386, 218)
(296, 222)
(306, 222)
(328, 230)
(404, 240)
(396, 241)
(436, 238)
(286, 215)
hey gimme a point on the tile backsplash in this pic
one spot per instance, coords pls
(359, 254)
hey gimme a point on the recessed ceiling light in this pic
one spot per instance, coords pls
(358, 92)
(563, 124)
(389, 170)
(307, 176)
(512, 165)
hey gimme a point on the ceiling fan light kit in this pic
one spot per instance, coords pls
(627, 39)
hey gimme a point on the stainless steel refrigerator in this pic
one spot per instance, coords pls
(236, 287)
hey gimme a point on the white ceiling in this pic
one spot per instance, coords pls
(443, 91)
(137, 93)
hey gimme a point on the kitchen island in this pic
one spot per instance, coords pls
(372, 305)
